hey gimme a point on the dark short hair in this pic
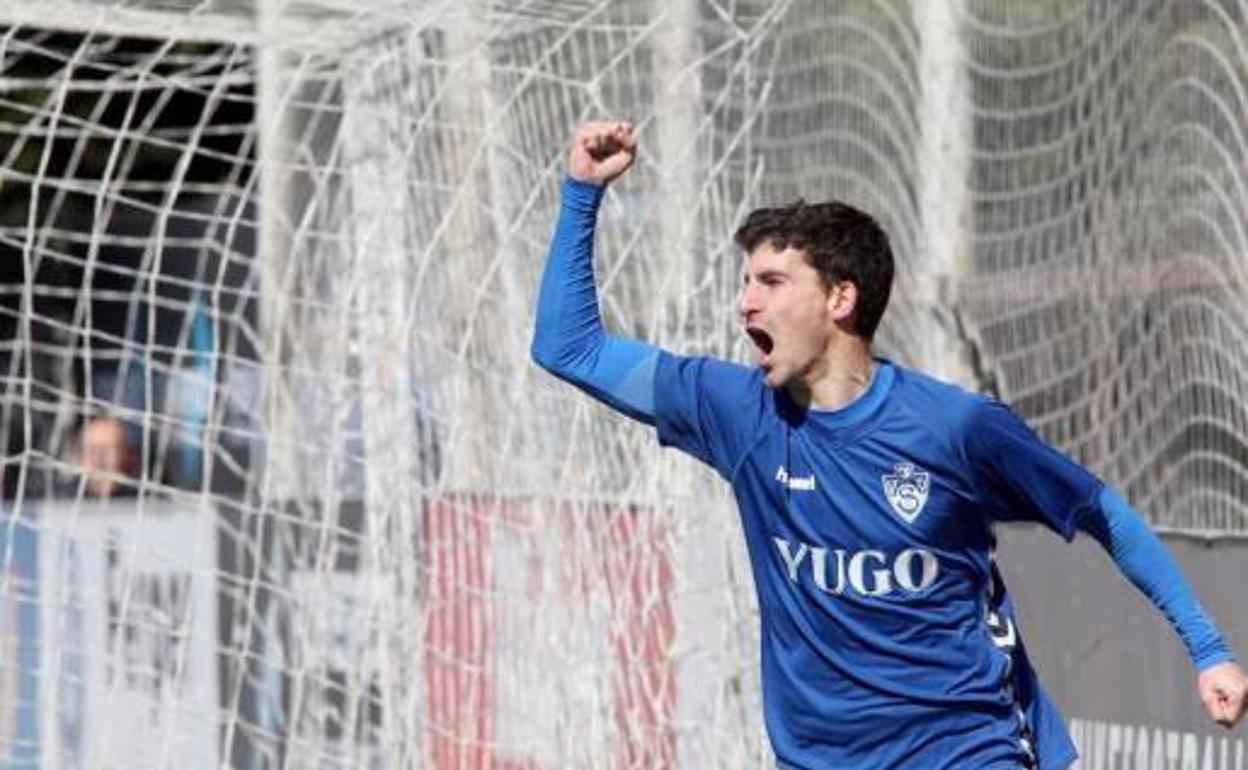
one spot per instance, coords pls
(840, 242)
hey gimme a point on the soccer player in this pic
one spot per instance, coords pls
(867, 493)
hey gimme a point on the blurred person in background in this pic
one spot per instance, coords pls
(108, 461)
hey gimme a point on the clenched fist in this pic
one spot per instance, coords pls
(1223, 688)
(601, 152)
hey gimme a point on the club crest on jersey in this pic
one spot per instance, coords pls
(906, 489)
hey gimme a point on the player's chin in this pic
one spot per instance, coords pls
(773, 376)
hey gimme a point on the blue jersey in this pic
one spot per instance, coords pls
(887, 636)
(888, 639)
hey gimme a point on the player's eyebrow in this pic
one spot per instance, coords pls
(770, 274)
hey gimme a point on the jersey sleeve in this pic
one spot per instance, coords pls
(1018, 476)
(569, 339)
(708, 408)
(1143, 559)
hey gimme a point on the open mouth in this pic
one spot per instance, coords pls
(762, 343)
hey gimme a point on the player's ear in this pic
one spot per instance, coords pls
(842, 300)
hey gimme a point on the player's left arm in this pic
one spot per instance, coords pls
(1144, 560)
(1023, 477)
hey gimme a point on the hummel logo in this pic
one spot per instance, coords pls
(800, 483)
(1002, 629)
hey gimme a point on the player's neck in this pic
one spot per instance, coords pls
(842, 374)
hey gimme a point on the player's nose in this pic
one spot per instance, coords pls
(748, 301)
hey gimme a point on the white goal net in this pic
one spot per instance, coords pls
(281, 487)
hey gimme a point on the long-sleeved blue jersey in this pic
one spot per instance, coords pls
(888, 638)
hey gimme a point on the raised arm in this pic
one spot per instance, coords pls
(569, 340)
(1144, 561)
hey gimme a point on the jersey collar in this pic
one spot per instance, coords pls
(855, 412)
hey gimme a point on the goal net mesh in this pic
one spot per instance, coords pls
(289, 251)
